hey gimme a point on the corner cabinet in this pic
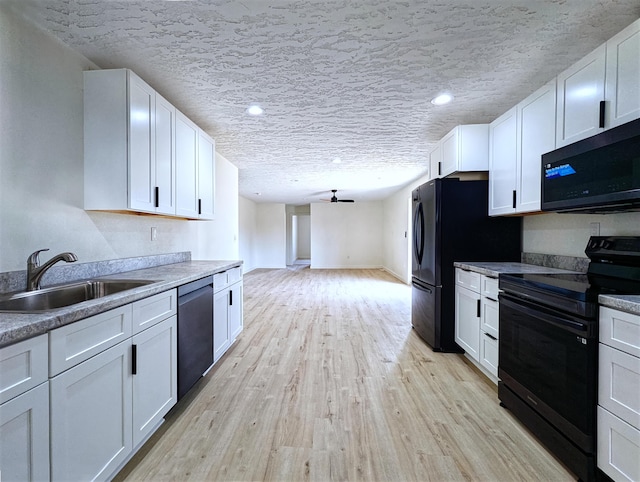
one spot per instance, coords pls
(138, 155)
(113, 378)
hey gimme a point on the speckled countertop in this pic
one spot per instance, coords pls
(494, 269)
(19, 326)
(628, 303)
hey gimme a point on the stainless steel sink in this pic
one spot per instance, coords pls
(66, 295)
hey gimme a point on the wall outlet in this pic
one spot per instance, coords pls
(154, 234)
(595, 229)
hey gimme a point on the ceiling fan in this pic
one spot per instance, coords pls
(334, 199)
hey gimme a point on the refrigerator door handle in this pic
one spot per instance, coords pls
(418, 233)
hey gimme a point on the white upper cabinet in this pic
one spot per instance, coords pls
(141, 136)
(602, 90)
(465, 149)
(206, 176)
(502, 163)
(165, 166)
(435, 160)
(580, 91)
(536, 136)
(141, 153)
(622, 88)
(186, 167)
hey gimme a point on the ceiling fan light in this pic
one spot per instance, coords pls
(442, 99)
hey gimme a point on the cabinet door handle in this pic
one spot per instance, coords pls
(479, 309)
(199, 206)
(230, 298)
(439, 169)
(514, 199)
(134, 359)
(157, 194)
(602, 107)
(491, 336)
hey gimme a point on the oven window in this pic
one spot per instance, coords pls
(556, 365)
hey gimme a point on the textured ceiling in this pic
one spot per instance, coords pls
(349, 79)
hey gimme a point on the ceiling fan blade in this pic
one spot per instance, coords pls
(346, 200)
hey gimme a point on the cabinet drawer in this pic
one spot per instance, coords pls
(152, 310)
(74, 343)
(619, 384)
(489, 287)
(23, 366)
(220, 281)
(234, 275)
(620, 330)
(489, 317)
(618, 447)
(489, 353)
(468, 279)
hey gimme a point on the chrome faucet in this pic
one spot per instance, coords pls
(35, 271)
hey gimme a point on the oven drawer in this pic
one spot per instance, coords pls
(468, 279)
(620, 330)
(618, 447)
(619, 384)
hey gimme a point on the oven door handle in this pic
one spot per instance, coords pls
(564, 322)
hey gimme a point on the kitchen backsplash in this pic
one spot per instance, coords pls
(68, 272)
(557, 261)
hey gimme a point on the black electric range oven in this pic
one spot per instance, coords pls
(548, 358)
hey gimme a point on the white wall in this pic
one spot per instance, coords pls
(567, 234)
(303, 236)
(41, 166)
(271, 237)
(345, 235)
(248, 232)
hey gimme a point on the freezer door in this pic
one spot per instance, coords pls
(424, 312)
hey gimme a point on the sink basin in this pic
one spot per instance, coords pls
(66, 295)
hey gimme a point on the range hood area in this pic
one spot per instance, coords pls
(599, 174)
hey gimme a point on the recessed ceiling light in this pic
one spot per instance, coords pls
(337, 160)
(442, 99)
(254, 109)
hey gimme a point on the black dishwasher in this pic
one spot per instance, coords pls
(195, 332)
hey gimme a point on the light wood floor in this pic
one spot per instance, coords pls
(329, 382)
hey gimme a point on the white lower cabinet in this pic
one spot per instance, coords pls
(468, 321)
(155, 380)
(476, 331)
(91, 416)
(105, 404)
(24, 436)
(618, 437)
(227, 310)
(24, 410)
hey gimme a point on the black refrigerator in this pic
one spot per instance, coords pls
(450, 223)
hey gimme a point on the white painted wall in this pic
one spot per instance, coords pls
(271, 237)
(41, 166)
(303, 245)
(345, 235)
(248, 233)
(567, 234)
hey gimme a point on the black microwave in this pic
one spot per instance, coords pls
(595, 175)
